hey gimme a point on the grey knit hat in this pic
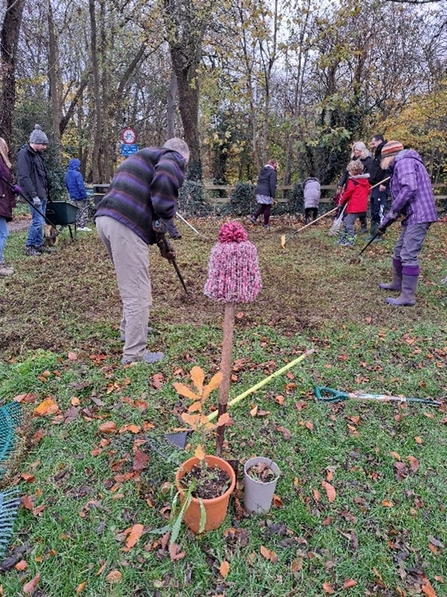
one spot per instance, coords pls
(38, 136)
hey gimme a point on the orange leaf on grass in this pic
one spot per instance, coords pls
(131, 428)
(25, 398)
(30, 586)
(224, 569)
(72, 356)
(114, 576)
(328, 588)
(22, 565)
(269, 554)
(175, 553)
(330, 490)
(47, 407)
(140, 460)
(28, 477)
(418, 440)
(108, 427)
(387, 503)
(134, 535)
(27, 502)
(349, 582)
(80, 587)
(427, 588)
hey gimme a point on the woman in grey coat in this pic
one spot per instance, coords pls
(312, 194)
(265, 192)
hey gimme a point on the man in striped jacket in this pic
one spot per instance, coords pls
(144, 190)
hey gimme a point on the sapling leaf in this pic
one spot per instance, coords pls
(199, 453)
(196, 406)
(202, 516)
(214, 383)
(178, 521)
(185, 391)
(223, 419)
(198, 376)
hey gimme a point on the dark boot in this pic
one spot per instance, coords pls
(374, 226)
(396, 283)
(407, 297)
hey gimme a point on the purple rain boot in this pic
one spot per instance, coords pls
(407, 298)
(396, 283)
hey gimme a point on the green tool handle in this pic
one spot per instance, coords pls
(213, 415)
(325, 394)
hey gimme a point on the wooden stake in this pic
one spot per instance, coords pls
(225, 368)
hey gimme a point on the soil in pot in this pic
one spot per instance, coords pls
(262, 472)
(209, 481)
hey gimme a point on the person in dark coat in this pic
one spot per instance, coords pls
(76, 189)
(378, 198)
(7, 202)
(33, 179)
(265, 192)
(413, 200)
(142, 194)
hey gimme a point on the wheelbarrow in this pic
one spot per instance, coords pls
(60, 213)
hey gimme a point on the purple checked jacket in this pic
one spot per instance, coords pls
(411, 190)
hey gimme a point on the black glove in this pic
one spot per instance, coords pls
(383, 227)
(166, 249)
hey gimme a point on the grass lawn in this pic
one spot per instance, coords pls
(361, 503)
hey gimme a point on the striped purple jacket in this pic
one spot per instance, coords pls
(146, 184)
(411, 190)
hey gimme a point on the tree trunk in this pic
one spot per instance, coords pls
(170, 129)
(9, 39)
(96, 167)
(54, 81)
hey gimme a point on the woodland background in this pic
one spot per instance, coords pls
(241, 80)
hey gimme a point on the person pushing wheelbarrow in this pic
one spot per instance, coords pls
(413, 199)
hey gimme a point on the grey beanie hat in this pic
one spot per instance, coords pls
(38, 136)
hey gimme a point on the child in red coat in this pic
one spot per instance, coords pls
(356, 196)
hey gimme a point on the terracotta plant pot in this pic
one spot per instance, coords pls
(258, 495)
(216, 508)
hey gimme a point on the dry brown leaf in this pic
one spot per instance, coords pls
(224, 419)
(269, 554)
(101, 569)
(328, 588)
(75, 401)
(330, 490)
(316, 494)
(30, 586)
(199, 453)
(280, 399)
(349, 583)
(108, 427)
(114, 576)
(224, 569)
(135, 534)
(285, 432)
(72, 356)
(22, 565)
(174, 552)
(27, 502)
(395, 455)
(387, 503)
(25, 398)
(277, 501)
(28, 477)
(140, 460)
(213, 384)
(254, 411)
(414, 464)
(418, 440)
(80, 587)
(130, 428)
(427, 588)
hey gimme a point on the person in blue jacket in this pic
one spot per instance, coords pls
(76, 189)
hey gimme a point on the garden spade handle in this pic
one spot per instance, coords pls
(262, 383)
(31, 204)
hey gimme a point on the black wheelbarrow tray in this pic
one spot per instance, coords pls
(61, 213)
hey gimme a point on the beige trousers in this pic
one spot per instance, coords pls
(130, 257)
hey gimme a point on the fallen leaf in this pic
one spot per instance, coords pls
(387, 503)
(140, 460)
(80, 587)
(72, 356)
(135, 534)
(269, 554)
(174, 552)
(285, 432)
(427, 588)
(330, 490)
(28, 477)
(22, 565)
(27, 502)
(277, 501)
(418, 440)
(30, 586)
(108, 427)
(328, 588)
(47, 407)
(254, 411)
(224, 569)
(114, 576)
(349, 583)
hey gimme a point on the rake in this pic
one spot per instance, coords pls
(334, 229)
(10, 416)
(9, 506)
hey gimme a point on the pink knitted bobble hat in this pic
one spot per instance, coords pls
(233, 270)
